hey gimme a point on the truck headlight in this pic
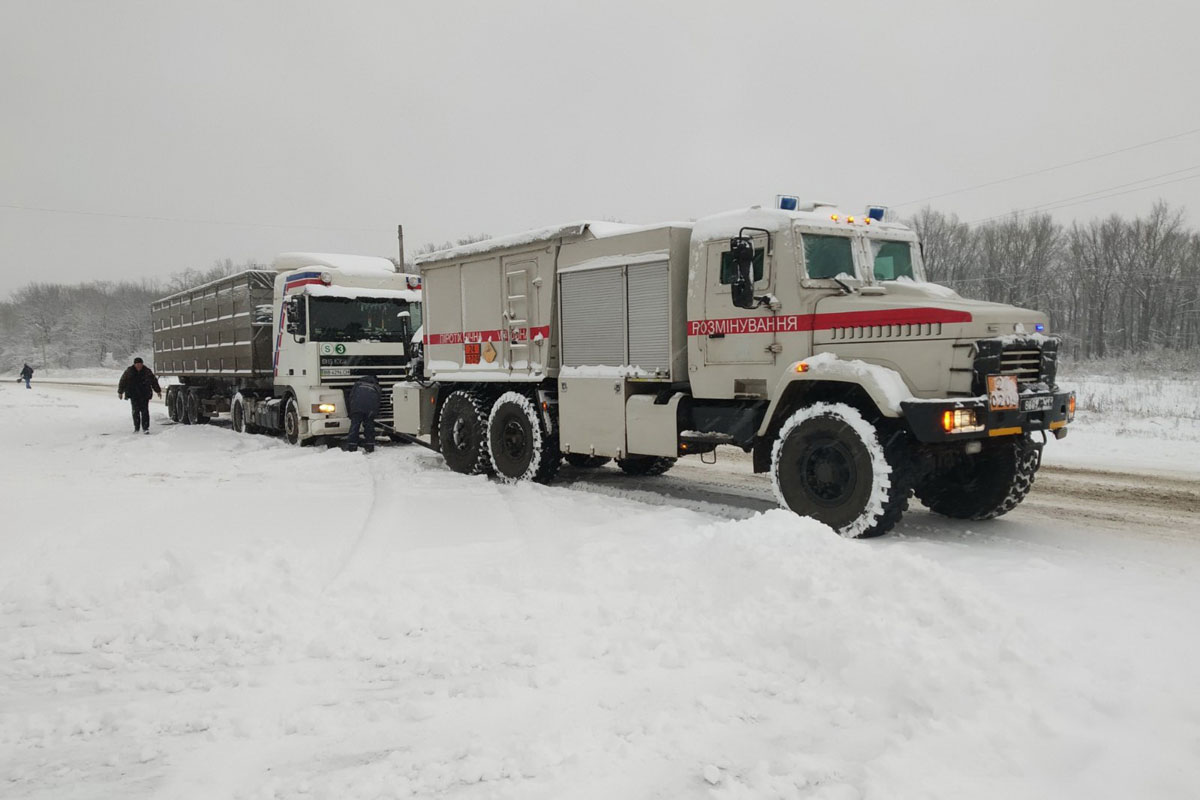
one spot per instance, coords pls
(324, 408)
(961, 420)
(1071, 408)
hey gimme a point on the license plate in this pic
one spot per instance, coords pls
(1002, 392)
(1037, 403)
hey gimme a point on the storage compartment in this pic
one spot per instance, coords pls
(591, 413)
(653, 429)
(412, 408)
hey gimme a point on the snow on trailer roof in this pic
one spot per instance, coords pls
(349, 264)
(571, 230)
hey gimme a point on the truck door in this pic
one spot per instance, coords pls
(733, 335)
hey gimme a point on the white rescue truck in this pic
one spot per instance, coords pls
(277, 349)
(803, 335)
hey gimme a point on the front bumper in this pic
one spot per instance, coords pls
(1043, 411)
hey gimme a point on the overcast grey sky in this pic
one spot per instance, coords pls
(341, 119)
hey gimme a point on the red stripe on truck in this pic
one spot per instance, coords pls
(471, 337)
(791, 323)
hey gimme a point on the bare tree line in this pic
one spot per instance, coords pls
(97, 323)
(105, 323)
(1111, 286)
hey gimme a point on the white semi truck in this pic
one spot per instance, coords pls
(277, 349)
(806, 336)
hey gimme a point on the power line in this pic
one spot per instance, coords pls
(1075, 200)
(187, 221)
(1051, 169)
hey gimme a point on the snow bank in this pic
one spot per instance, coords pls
(213, 615)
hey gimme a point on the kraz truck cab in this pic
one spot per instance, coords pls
(803, 335)
(278, 349)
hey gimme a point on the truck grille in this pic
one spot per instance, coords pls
(1032, 361)
(389, 374)
(1025, 364)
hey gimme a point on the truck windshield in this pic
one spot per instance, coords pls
(892, 260)
(343, 319)
(828, 256)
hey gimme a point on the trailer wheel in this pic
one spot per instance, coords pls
(237, 414)
(291, 422)
(985, 485)
(645, 465)
(462, 433)
(827, 463)
(584, 461)
(519, 446)
(194, 409)
(172, 404)
(180, 406)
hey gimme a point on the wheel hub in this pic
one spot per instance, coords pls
(828, 472)
(514, 440)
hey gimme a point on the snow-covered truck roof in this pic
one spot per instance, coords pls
(349, 264)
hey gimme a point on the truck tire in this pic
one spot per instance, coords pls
(985, 485)
(237, 414)
(181, 406)
(584, 461)
(645, 465)
(195, 409)
(827, 463)
(173, 404)
(462, 433)
(291, 422)
(519, 446)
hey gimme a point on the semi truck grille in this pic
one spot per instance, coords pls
(1031, 361)
(388, 374)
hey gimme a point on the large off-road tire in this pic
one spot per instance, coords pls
(585, 461)
(291, 422)
(237, 414)
(462, 433)
(645, 465)
(985, 485)
(172, 403)
(828, 463)
(519, 446)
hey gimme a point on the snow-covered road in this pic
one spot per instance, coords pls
(198, 614)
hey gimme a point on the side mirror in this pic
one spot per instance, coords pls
(297, 322)
(741, 288)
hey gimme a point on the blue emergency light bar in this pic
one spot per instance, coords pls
(876, 213)
(1039, 327)
(787, 202)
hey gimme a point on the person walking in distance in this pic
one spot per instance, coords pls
(137, 384)
(26, 374)
(364, 405)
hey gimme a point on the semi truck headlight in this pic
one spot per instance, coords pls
(324, 408)
(961, 420)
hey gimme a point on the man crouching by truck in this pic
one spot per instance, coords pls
(138, 383)
(363, 401)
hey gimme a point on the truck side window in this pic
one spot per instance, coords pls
(727, 266)
(828, 256)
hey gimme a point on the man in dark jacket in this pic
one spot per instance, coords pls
(364, 405)
(26, 374)
(138, 384)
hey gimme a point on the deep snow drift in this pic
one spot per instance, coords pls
(200, 614)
